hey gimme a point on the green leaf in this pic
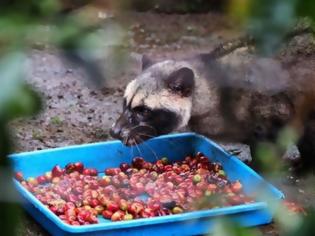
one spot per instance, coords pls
(306, 8)
(16, 98)
(225, 227)
(287, 137)
(306, 226)
(269, 21)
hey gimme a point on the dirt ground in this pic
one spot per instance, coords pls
(76, 112)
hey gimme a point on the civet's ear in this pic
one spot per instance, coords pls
(146, 62)
(181, 81)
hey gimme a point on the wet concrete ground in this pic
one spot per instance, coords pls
(76, 112)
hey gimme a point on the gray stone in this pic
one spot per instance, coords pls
(241, 151)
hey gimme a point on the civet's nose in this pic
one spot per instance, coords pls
(115, 131)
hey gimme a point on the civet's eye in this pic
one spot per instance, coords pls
(177, 88)
(142, 110)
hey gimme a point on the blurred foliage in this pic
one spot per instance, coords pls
(305, 8)
(17, 99)
(289, 224)
(224, 227)
(22, 25)
(274, 18)
(270, 21)
(271, 152)
(269, 25)
(306, 227)
(26, 24)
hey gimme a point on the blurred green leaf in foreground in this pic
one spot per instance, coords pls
(24, 24)
(269, 23)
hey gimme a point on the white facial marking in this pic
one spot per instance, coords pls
(149, 89)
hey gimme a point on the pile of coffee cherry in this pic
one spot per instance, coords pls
(78, 195)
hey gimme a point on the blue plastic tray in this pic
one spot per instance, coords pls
(111, 154)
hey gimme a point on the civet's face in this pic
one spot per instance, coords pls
(157, 102)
